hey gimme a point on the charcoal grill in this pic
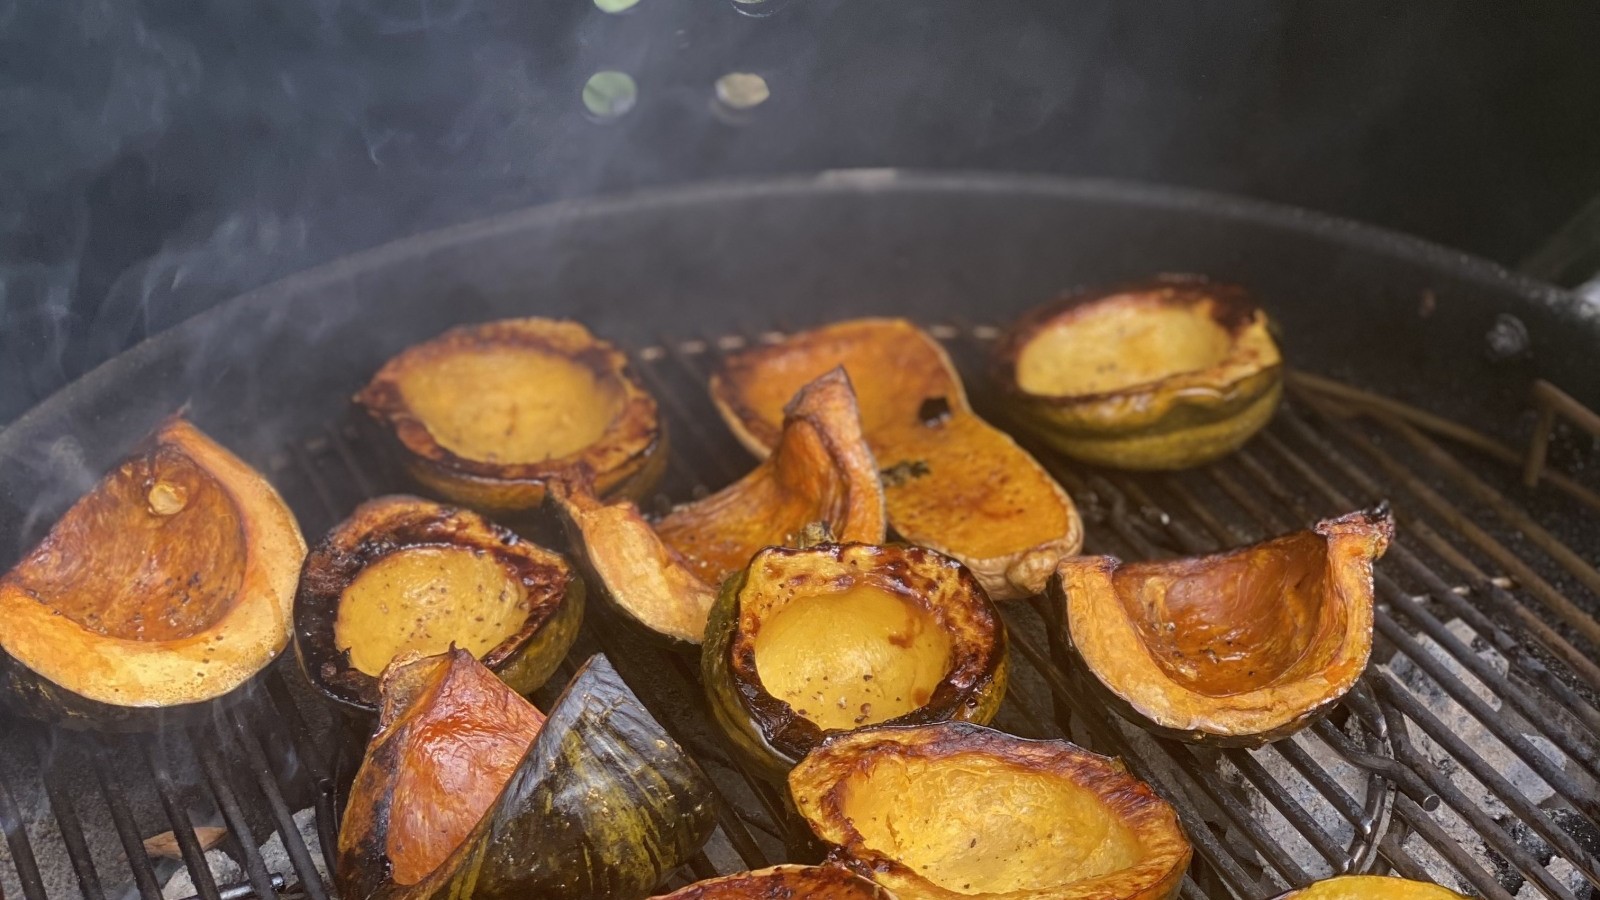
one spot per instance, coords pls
(1468, 754)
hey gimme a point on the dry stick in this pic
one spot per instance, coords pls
(1367, 402)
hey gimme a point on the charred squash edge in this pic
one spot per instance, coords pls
(538, 840)
(381, 526)
(627, 460)
(1178, 421)
(269, 530)
(1355, 582)
(1004, 578)
(783, 882)
(817, 797)
(770, 734)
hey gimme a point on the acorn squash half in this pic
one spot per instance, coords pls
(1371, 887)
(485, 415)
(168, 584)
(783, 883)
(407, 575)
(952, 482)
(466, 791)
(807, 643)
(949, 811)
(1166, 374)
(1237, 648)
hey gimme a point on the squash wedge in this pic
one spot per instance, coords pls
(1238, 648)
(168, 584)
(952, 482)
(664, 579)
(466, 791)
(407, 575)
(783, 883)
(485, 415)
(1162, 375)
(951, 811)
(807, 643)
(821, 470)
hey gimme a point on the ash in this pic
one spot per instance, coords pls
(1499, 758)
(274, 857)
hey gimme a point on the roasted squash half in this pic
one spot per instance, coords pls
(1162, 375)
(952, 482)
(807, 643)
(664, 578)
(405, 575)
(485, 415)
(1238, 648)
(168, 584)
(941, 812)
(783, 883)
(1371, 887)
(468, 791)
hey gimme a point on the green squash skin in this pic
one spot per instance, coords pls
(1191, 434)
(531, 665)
(32, 696)
(603, 805)
(1063, 648)
(747, 730)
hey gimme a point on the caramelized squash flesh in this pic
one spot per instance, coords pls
(955, 810)
(426, 600)
(953, 482)
(809, 642)
(851, 657)
(526, 405)
(1371, 887)
(995, 844)
(783, 883)
(1108, 349)
(458, 733)
(821, 470)
(168, 584)
(1237, 648)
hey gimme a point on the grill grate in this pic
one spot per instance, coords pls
(1469, 754)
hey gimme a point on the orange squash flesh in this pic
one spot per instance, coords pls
(168, 584)
(1236, 648)
(954, 483)
(943, 812)
(486, 415)
(821, 470)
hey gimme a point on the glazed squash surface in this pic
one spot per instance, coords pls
(826, 639)
(506, 422)
(486, 415)
(956, 810)
(167, 584)
(953, 482)
(1239, 647)
(426, 600)
(821, 470)
(1108, 350)
(850, 658)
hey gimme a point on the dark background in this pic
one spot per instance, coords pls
(157, 157)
